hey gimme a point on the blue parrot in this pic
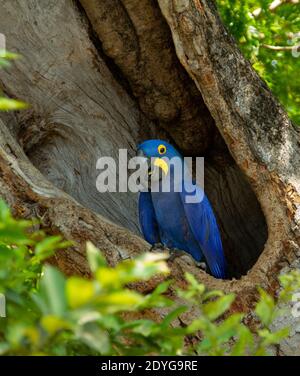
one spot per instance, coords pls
(167, 218)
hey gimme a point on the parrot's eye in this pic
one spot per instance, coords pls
(162, 149)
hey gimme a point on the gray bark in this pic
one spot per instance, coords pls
(135, 35)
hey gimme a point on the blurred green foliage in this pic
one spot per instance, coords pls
(7, 104)
(261, 26)
(50, 314)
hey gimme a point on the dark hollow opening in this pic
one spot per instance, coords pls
(240, 218)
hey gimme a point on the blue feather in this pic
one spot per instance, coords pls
(147, 218)
(204, 227)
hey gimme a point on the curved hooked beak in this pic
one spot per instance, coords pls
(161, 163)
(158, 162)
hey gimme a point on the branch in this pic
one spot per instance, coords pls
(273, 6)
(277, 3)
(281, 48)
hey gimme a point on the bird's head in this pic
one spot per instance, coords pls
(159, 152)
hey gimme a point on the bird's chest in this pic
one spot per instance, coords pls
(170, 215)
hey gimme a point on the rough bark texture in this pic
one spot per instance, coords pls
(257, 130)
(134, 34)
(78, 111)
(110, 77)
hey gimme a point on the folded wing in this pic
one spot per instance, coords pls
(147, 218)
(204, 227)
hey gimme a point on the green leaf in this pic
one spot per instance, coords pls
(265, 307)
(212, 294)
(229, 327)
(244, 342)
(52, 324)
(79, 291)
(161, 288)
(48, 246)
(173, 315)
(198, 287)
(125, 299)
(4, 63)
(215, 309)
(53, 290)
(109, 278)
(4, 54)
(7, 104)
(94, 337)
(4, 347)
(95, 257)
(273, 338)
(143, 267)
(198, 324)
(4, 212)
(144, 327)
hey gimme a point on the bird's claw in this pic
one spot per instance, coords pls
(201, 265)
(157, 247)
(175, 252)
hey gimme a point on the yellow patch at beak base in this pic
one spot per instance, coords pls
(159, 162)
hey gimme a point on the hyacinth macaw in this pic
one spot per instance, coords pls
(166, 218)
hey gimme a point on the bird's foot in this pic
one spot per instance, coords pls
(157, 247)
(175, 252)
(201, 265)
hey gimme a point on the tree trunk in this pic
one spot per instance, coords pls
(101, 75)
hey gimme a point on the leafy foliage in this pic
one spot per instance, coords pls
(48, 313)
(266, 31)
(7, 104)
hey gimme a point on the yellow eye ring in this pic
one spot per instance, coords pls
(162, 149)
